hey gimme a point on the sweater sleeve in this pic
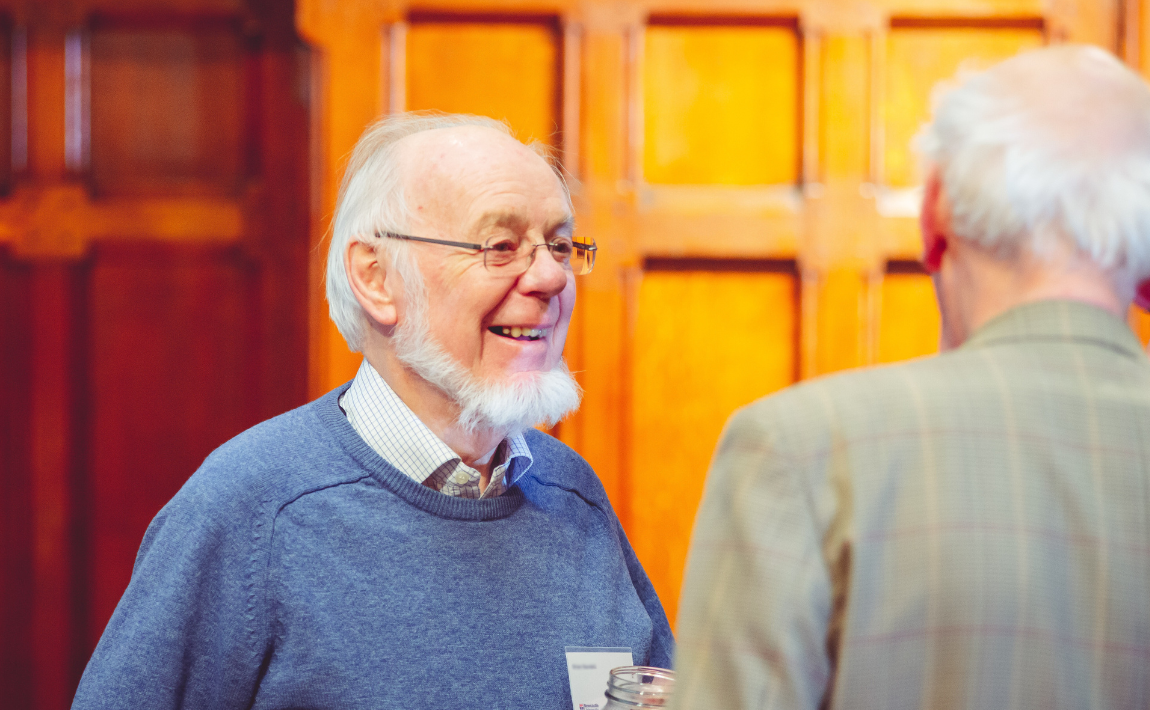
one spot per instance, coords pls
(190, 630)
(581, 480)
(662, 641)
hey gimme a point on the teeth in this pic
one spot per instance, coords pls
(518, 332)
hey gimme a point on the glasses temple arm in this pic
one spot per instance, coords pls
(465, 245)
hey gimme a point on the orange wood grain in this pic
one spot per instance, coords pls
(844, 135)
(704, 344)
(598, 430)
(45, 67)
(909, 323)
(720, 105)
(508, 71)
(61, 220)
(840, 307)
(604, 106)
(346, 90)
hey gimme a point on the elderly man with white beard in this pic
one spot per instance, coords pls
(407, 540)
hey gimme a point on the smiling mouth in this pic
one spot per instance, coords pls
(517, 333)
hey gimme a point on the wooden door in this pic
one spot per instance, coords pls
(153, 270)
(745, 167)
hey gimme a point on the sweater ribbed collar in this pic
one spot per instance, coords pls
(421, 497)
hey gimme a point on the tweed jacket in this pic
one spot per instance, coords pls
(970, 530)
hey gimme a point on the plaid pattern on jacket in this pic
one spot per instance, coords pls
(970, 530)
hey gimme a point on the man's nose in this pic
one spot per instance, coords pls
(545, 276)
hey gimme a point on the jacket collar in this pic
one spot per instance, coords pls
(1058, 321)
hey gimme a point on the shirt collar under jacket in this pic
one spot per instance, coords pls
(394, 432)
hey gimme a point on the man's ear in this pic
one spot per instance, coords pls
(373, 282)
(933, 224)
(1142, 295)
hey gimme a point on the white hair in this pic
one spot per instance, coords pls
(371, 200)
(1050, 145)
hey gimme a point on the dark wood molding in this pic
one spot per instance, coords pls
(16, 509)
(514, 18)
(722, 265)
(705, 20)
(961, 22)
(905, 266)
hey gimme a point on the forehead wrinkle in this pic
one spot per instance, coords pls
(445, 167)
(515, 219)
(512, 218)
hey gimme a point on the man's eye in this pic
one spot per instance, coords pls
(561, 247)
(503, 246)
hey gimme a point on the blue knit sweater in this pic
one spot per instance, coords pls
(298, 569)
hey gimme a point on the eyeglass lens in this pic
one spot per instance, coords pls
(505, 254)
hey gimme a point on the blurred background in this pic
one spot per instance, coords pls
(168, 171)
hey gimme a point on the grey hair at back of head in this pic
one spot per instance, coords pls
(1051, 145)
(371, 200)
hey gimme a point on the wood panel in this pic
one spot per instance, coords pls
(720, 103)
(123, 365)
(837, 330)
(167, 107)
(173, 331)
(705, 342)
(277, 210)
(45, 100)
(6, 108)
(923, 54)
(597, 431)
(909, 324)
(16, 518)
(58, 438)
(192, 343)
(844, 136)
(509, 70)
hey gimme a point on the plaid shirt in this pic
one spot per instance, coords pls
(389, 427)
(965, 531)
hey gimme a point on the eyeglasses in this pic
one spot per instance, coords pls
(512, 256)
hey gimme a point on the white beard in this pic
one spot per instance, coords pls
(522, 401)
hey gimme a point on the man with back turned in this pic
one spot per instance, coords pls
(970, 530)
(407, 540)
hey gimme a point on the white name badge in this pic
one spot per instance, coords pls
(589, 669)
